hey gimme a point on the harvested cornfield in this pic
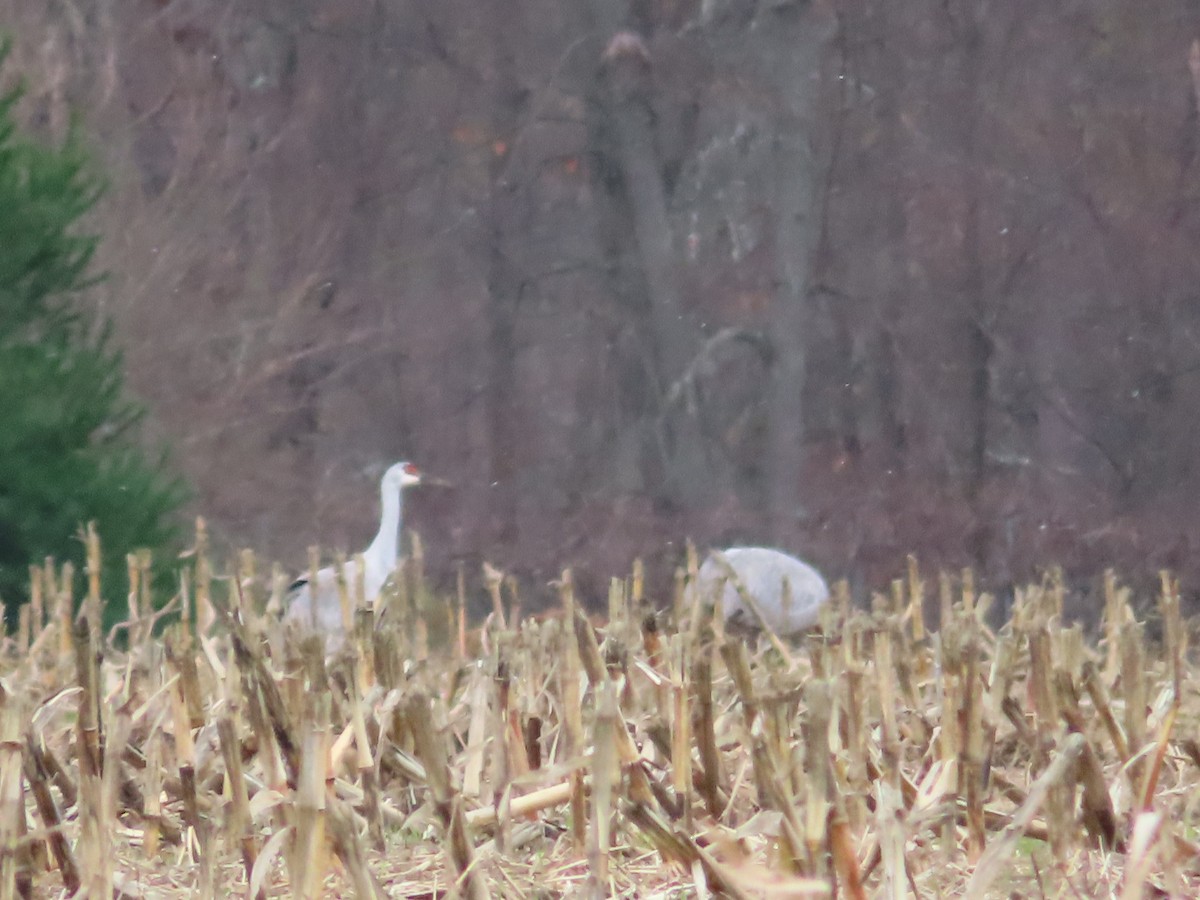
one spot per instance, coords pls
(651, 756)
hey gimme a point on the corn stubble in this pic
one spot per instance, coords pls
(651, 756)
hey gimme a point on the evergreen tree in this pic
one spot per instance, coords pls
(67, 448)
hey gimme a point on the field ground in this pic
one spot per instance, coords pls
(651, 756)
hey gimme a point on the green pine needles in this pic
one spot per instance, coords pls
(68, 449)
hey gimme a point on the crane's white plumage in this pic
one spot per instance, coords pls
(763, 572)
(379, 561)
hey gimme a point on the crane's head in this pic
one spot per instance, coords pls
(401, 475)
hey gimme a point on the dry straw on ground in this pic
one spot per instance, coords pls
(648, 757)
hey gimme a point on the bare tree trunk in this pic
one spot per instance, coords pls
(836, 305)
(504, 219)
(889, 386)
(977, 305)
(504, 294)
(646, 270)
(792, 40)
(630, 85)
(884, 69)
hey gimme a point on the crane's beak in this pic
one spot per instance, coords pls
(434, 481)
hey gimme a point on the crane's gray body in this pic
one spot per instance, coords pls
(379, 560)
(763, 572)
(328, 602)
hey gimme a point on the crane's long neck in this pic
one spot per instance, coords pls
(382, 555)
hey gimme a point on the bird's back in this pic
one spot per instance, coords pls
(762, 571)
(327, 598)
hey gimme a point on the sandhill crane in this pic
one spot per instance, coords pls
(763, 572)
(379, 560)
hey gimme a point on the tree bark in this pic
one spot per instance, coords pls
(793, 40)
(504, 219)
(637, 192)
(976, 304)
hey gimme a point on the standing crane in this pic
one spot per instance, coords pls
(788, 592)
(319, 607)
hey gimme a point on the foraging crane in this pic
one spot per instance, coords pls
(379, 560)
(763, 573)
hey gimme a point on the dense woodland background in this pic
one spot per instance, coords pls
(851, 277)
